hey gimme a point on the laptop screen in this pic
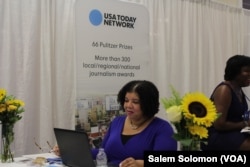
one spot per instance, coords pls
(74, 148)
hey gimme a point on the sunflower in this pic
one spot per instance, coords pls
(200, 131)
(200, 109)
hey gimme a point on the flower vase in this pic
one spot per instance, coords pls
(7, 143)
(194, 146)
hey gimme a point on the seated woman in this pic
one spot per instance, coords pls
(139, 129)
(230, 102)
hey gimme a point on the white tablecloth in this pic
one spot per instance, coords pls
(26, 160)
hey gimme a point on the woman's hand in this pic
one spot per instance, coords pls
(56, 150)
(131, 162)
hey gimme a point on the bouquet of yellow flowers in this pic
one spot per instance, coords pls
(191, 114)
(10, 110)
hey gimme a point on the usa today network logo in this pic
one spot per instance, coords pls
(109, 19)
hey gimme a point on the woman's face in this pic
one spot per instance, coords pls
(132, 106)
(244, 76)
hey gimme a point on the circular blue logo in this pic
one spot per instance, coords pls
(95, 17)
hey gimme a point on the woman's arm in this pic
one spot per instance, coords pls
(222, 100)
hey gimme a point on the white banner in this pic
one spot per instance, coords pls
(112, 45)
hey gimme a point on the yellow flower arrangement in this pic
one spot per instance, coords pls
(192, 115)
(10, 110)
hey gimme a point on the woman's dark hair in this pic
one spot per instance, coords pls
(148, 94)
(234, 65)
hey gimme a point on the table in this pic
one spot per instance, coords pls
(26, 160)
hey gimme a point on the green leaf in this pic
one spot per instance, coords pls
(186, 142)
(176, 95)
(168, 102)
(174, 100)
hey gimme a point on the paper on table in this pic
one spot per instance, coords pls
(53, 160)
(45, 155)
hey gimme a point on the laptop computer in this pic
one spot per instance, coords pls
(74, 148)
